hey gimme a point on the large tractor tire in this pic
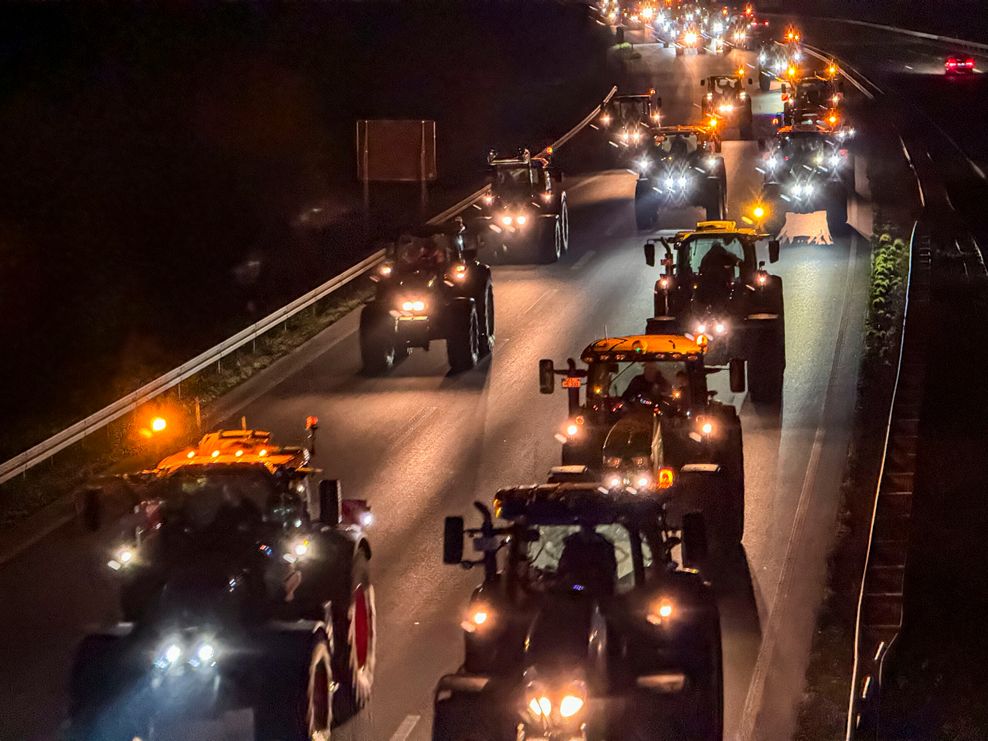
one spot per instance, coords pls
(646, 205)
(484, 301)
(463, 336)
(837, 211)
(714, 199)
(354, 621)
(711, 494)
(378, 339)
(767, 364)
(549, 240)
(564, 222)
(299, 706)
(747, 126)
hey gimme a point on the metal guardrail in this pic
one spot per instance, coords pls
(69, 436)
(893, 29)
(879, 611)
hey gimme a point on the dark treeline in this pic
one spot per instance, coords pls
(157, 159)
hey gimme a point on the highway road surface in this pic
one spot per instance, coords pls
(420, 444)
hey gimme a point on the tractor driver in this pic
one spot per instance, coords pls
(421, 254)
(588, 561)
(649, 385)
(719, 263)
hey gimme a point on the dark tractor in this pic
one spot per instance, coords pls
(648, 419)
(681, 167)
(727, 100)
(525, 216)
(627, 121)
(584, 627)
(430, 287)
(807, 170)
(810, 100)
(773, 64)
(715, 287)
(244, 587)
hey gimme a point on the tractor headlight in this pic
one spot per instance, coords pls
(124, 556)
(670, 183)
(661, 611)
(605, 119)
(726, 108)
(413, 305)
(478, 616)
(570, 705)
(644, 164)
(762, 57)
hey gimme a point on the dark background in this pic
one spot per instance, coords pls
(161, 164)
(964, 19)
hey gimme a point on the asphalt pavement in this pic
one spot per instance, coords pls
(421, 444)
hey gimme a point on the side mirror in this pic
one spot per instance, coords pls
(750, 81)
(773, 250)
(453, 541)
(703, 83)
(91, 508)
(658, 102)
(330, 498)
(650, 254)
(619, 35)
(547, 381)
(736, 369)
(784, 89)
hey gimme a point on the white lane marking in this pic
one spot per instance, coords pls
(770, 635)
(406, 727)
(908, 67)
(539, 300)
(584, 259)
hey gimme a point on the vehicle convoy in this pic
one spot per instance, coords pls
(584, 628)
(728, 101)
(808, 169)
(648, 418)
(430, 287)
(627, 120)
(680, 167)
(715, 287)
(524, 215)
(244, 585)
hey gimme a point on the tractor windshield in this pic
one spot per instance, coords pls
(727, 86)
(227, 498)
(702, 252)
(513, 180)
(595, 557)
(629, 111)
(678, 145)
(640, 383)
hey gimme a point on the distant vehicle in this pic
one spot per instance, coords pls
(243, 586)
(959, 65)
(575, 634)
(626, 120)
(724, 293)
(430, 287)
(681, 166)
(525, 217)
(727, 100)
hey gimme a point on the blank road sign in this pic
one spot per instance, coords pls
(396, 150)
